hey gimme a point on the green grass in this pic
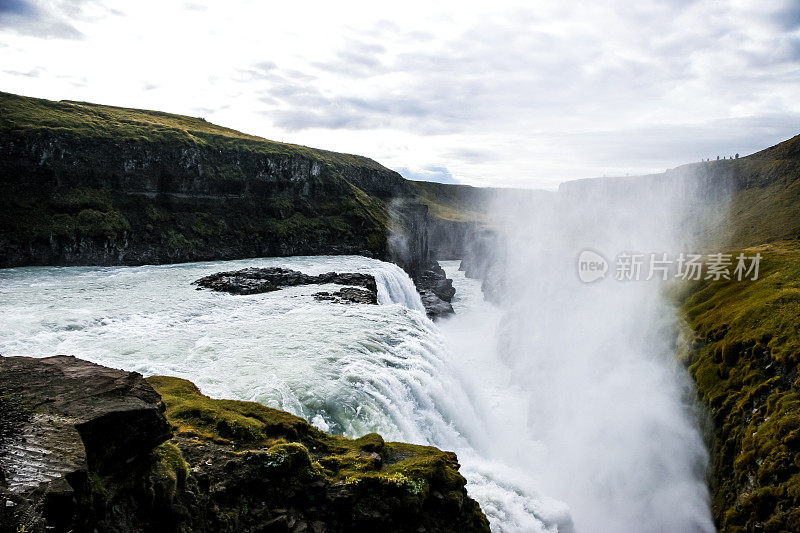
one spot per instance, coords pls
(745, 361)
(456, 203)
(86, 120)
(765, 214)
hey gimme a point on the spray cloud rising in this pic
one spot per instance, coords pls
(610, 426)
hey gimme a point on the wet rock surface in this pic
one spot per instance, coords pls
(260, 280)
(483, 259)
(435, 290)
(348, 295)
(61, 418)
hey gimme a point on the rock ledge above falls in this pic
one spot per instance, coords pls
(89, 448)
(434, 288)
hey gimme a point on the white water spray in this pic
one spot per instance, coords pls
(606, 399)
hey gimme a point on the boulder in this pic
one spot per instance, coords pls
(62, 417)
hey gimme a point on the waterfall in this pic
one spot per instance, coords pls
(395, 287)
(564, 403)
(349, 369)
(594, 362)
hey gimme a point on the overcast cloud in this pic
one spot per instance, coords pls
(514, 94)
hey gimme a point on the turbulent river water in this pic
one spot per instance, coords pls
(349, 369)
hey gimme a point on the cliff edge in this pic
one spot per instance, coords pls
(84, 447)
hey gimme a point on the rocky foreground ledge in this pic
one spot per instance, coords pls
(89, 448)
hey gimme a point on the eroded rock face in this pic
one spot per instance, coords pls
(60, 418)
(435, 290)
(259, 280)
(484, 260)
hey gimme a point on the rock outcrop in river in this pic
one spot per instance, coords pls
(88, 448)
(260, 280)
(434, 288)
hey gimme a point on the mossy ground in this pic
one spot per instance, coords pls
(241, 466)
(745, 361)
(367, 460)
(455, 203)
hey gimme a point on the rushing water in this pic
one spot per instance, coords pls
(349, 369)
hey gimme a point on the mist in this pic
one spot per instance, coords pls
(602, 413)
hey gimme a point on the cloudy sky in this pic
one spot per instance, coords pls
(499, 93)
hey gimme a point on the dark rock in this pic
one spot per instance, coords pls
(230, 466)
(434, 279)
(448, 239)
(63, 417)
(435, 307)
(348, 295)
(408, 240)
(435, 290)
(484, 260)
(259, 280)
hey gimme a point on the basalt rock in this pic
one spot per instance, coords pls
(435, 279)
(484, 260)
(259, 280)
(435, 290)
(348, 295)
(435, 307)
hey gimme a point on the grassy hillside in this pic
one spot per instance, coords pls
(92, 121)
(765, 206)
(745, 359)
(455, 203)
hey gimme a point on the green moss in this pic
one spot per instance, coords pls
(763, 312)
(155, 214)
(745, 361)
(293, 441)
(101, 223)
(80, 198)
(169, 470)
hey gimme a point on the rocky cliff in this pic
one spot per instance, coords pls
(87, 184)
(88, 448)
(90, 184)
